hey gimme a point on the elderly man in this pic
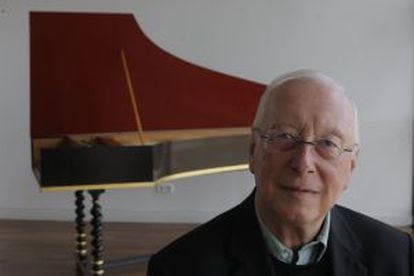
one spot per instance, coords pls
(303, 151)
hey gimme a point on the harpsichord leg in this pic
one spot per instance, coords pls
(96, 232)
(81, 246)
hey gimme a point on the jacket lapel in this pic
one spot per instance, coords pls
(247, 247)
(344, 248)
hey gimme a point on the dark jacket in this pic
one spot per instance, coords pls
(232, 244)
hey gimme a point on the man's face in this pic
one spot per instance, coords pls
(299, 186)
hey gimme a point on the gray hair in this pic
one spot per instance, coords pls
(303, 75)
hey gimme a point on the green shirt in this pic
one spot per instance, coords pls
(309, 253)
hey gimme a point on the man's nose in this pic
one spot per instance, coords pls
(303, 158)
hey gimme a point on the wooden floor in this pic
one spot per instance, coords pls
(42, 248)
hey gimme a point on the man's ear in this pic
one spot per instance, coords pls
(354, 160)
(252, 146)
(353, 166)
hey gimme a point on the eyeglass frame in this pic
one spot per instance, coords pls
(298, 141)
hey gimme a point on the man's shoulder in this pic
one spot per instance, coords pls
(370, 230)
(207, 243)
(206, 234)
(362, 221)
(380, 246)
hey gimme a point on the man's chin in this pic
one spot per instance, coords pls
(299, 215)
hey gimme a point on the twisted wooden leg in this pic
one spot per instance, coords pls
(81, 247)
(96, 232)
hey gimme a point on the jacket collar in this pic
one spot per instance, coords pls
(248, 250)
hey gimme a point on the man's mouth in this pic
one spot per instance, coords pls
(299, 191)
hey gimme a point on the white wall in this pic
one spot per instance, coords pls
(367, 45)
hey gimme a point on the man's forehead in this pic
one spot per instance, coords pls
(305, 92)
(308, 86)
(296, 103)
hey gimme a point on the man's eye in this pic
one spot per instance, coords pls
(327, 144)
(285, 136)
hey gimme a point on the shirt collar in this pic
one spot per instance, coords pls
(309, 253)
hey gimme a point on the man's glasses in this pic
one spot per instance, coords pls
(283, 141)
